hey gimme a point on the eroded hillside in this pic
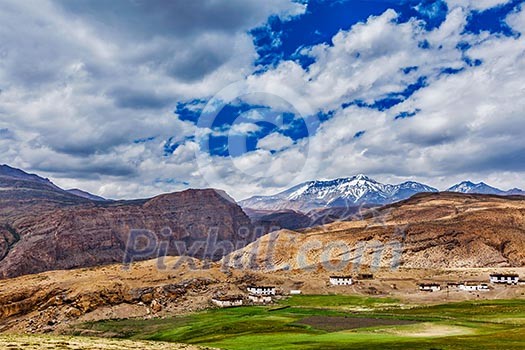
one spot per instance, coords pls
(430, 231)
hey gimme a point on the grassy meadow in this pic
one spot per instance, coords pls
(339, 322)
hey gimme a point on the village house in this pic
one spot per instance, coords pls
(430, 287)
(504, 278)
(227, 301)
(473, 287)
(295, 292)
(341, 280)
(260, 299)
(260, 290)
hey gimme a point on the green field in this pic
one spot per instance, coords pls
(301, 323)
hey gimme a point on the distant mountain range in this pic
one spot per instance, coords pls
(355, 191)
(7, 172)
(483, 188)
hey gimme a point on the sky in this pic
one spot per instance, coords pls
(133, 98)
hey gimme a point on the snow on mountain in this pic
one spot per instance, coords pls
(470, 187)
(482, 188)
(343, 192)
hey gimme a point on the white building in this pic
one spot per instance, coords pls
(504, 278)
(260, 299)
(227, 301)
(341, 280)
(429, 287)
(295, 292)
(473, 287)
(261, 290)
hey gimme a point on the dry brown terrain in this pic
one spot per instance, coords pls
(54, 301)
(428, 231)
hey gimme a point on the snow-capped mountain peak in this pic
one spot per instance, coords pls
(483, 188)
(342, 192)
(354, 191)
(471, 187)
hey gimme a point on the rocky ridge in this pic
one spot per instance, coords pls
(45, 228)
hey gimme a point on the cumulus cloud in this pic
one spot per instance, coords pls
(368, 62)
(480, 5)
(88, 89)
(463, 125)
(81, 81)
(244, 128)
(275, 142)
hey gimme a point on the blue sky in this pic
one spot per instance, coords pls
(135, 98)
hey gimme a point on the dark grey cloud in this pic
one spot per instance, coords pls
(137, 98)
(147, 19)
(434, 138)
(192, 65)
(87, 171)
(500, 160)
(82, 80)
(188, 39)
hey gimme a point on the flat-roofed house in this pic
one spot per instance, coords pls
(227, 301)
(473, 287)
(429, 287)
(504, 278)
(260, 299)
(261, 290)
(341, 280)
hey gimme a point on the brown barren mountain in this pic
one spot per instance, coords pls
(428, 231)
(45, 228)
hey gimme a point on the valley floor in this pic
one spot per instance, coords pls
(111, 308)
(337, 322)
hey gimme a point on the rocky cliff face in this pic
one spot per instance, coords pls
(44, 228)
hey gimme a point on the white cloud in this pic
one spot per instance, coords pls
(244, 128)
(517, 20)
(468, 125)
(479, 5)
(366, 63)
(80, 84)
(274, 142)
(74, 98)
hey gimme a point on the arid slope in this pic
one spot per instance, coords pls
(430, 231)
